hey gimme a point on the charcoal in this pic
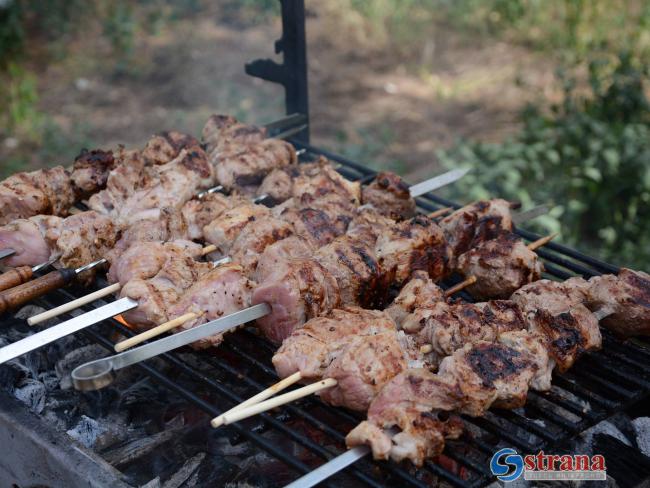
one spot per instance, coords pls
(31, 393)
(12, 373)
(86, 431)
(642, 429)
(154, 483)
(186, 471)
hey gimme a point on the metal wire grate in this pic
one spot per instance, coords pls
(598, 385)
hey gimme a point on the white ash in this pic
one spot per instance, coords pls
(585, 440)
(31, 393)
(642, 430)
(86, 431)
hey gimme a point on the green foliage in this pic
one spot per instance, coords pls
(20, 99)
(590, 157)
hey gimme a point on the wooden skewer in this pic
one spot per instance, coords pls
(440, 212)
(156, 331)
(80, 302)
(263, 395)
(460, 286)
(472, 279)
(541, 241)
(426, 349)
(243, 413)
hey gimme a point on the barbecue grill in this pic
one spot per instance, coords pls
(299, 437)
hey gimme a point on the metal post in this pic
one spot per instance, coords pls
(292, 73)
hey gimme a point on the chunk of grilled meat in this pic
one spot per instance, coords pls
(157, 295)
(244, 168)
(390, 195)
(556, 312)
(277, 186)
(85, 237)
(254, 238)
(419, 293)
(416, 401)
(33, 239)
(224, 230)
(359, 348)
(217, 293)
(368, 224)
(501, 266)
(91, 169)
(356, 270)
(297, 290)
(46, 191)
(198, 213)
(626, 298)
(166, 146)
(145, 259)
(314, 225)
(414, 244)
(172, 185)
(475, 223)
(274, 255)
(223, 133)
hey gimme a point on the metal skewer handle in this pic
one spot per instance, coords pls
(98, 374)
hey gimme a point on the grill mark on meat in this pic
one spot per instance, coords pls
(254, 179)
(493, 362)
(197, 162)
(178, 143)
(563, 333)
(640, 294)
(318, 224)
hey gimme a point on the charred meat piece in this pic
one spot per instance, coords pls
(219, 292)
(144, 259)
(224, 133)
(556, 312)
(277, 253)
(313, 225)
(157, 295)
(198, 213)
(356, 270)
(359, 348)
(297, 290)
(501, 266)
(91, 169)
(224, 229)
(418, 293)
(368, 224)
(166, 146)
(254, 239)
(475, 223)
(490, 373)
(244, 169)
(626, 298)
(411, 245)
(278, 184)
(416, 401)
(389, 194)
(46, 191)
(85, 237)
(320, 186)
(33, 239)
(172, 185)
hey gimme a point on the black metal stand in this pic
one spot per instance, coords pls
(292, 73)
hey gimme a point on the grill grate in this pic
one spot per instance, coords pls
(598, 385)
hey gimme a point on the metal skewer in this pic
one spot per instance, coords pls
(436, 182)
(99, 373)
(6, 252)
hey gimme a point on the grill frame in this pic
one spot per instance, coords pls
(622, 379)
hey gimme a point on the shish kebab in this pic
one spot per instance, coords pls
(250, 241)
(98, 373)
(206, 338)
(53, 191)
(485, 352)
(20, 347)
(165, 174)
(219, 217)
(497, 371)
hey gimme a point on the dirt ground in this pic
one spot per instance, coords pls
(367, 101)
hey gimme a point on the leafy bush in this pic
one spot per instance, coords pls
(590, 156)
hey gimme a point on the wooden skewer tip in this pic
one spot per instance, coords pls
(154, 332)
(460, 286)
(542, 241)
